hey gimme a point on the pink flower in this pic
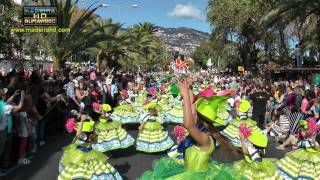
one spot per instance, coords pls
(125, 93)
(245, 131)
(226, 92)
(180, 133)
(152, 90)
(96, 106)
(205, 93)
(313, 127)
(70, 125)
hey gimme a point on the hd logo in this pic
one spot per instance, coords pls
(39, 16)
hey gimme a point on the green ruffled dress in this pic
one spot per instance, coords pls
(165, 106)
(111, 136)
(303, 163)
(253, 167)
(152, 137)
(125, 113)
(83, 162)
(197, 166)
(175, 115)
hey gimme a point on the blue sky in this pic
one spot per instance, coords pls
(166, 13)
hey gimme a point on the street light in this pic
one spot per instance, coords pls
(104, 5)
(120, 7)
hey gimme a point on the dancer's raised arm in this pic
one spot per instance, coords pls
(189, 123)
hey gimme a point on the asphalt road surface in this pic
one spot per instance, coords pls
(129, 162)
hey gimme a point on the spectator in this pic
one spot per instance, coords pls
(259, 101)
(6, 123)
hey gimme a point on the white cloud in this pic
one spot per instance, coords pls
(187, 11)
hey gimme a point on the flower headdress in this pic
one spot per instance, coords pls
(310, 125)
(152, 90)
(254, 136)
(124, 93)
(180, 132)
(70, 125)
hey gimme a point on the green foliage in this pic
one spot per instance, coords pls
(89, 33)
(303, 15)
(261, 31)
(9, 42)
(84, 33)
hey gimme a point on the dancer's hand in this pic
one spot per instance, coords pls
(184, 88)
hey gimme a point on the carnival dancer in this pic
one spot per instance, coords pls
(80, 160)
(253, 166)
(164, 102)
(199, 146)
(244, 117)
(175, 115)
(111, 135)
(125, 112)
(303, 163)
(152, 137)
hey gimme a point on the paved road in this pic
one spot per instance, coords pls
(130, 163)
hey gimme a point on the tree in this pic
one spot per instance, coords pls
(10, 42)
(302, 15)
(82, 35)
(236, 25)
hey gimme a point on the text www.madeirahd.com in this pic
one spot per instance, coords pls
(40, 30)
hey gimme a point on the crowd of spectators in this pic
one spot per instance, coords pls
(32, 97)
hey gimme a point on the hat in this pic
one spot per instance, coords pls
(106, 107)
(208, 107)
(244, 106)
(310, 125)
(152, 105)
(88, 126)
(256, 137)
(304, 124)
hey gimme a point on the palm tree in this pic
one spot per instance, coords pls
(82, 35)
